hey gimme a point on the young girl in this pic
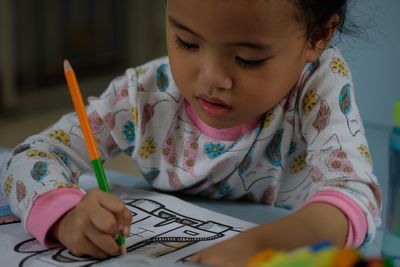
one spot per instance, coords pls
(251, 102)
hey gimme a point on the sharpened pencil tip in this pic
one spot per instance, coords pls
(67, 66)
(122, 249)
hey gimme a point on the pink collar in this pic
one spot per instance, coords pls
(225, 134)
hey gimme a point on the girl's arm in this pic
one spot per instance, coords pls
(313, 223)
(47, 166)
(337, 148)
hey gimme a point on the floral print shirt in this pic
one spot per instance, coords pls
(312, 142)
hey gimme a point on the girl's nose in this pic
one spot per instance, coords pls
(215, 74)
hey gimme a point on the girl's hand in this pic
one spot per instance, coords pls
(298, 229)
(234, 252)
(93, 225)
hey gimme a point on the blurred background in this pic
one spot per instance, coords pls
(101, 38)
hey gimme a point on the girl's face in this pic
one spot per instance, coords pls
(233, 60)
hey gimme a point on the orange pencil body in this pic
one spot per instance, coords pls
(75, 92)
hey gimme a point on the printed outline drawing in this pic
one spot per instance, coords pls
(172, 232)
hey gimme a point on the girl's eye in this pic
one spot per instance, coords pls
(248, 64)
(184, 45)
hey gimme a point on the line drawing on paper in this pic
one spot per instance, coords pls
(156, 231)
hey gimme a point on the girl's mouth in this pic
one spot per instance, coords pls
(213, 107)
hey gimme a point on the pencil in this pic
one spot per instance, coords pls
(79, 106)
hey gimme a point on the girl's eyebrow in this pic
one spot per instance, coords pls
(180, 26)
(251, 45)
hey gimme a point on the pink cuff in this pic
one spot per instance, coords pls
(47, 209)
(356, 218)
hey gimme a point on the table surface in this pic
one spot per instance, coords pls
(253, 212)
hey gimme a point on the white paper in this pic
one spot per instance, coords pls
(163, 226)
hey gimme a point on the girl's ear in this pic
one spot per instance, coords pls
(318, 41)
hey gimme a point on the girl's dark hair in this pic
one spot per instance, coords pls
(316, 13)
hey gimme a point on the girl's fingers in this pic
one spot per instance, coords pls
(195, 258)
(86, 247)
(112, 215)
(116, 206)
(127, 221)
(110, 202)
(105, 221)
(102, 241)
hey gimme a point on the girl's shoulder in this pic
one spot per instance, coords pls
(153, 64)
(154, 75)
(152, 68)
(333, 62)
(330, 67)
(326, 78)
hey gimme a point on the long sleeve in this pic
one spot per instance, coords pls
(55, 158)
(337, 148)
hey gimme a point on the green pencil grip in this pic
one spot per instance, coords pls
(103, 185)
